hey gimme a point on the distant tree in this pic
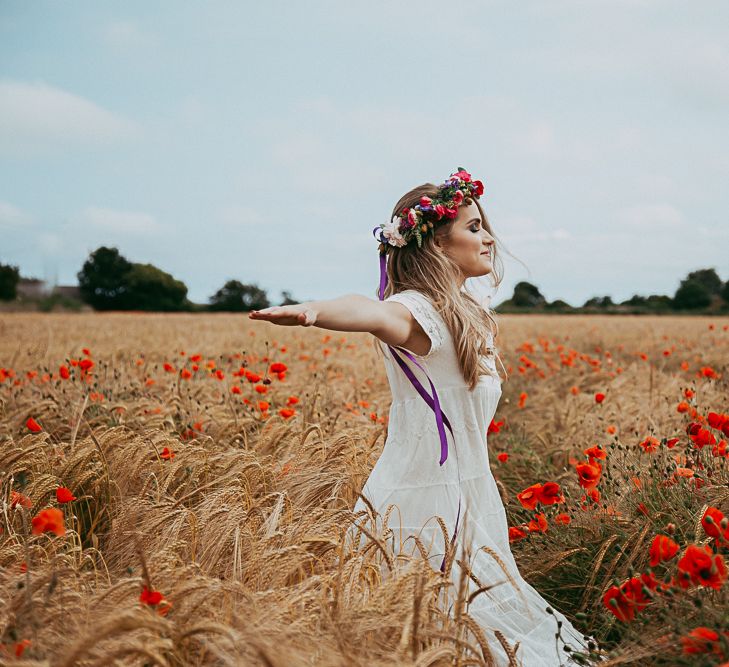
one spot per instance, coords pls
(9, 277)
(558, 304)
(527, 295)
(635, 300)
(599, 302)
(708, 278)
(287, 300)
(691, 295)
(150, 288)
(101, 280)
(659, 302)
(725, 292)
(235, 296)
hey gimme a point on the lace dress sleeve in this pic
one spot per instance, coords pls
(425, 314)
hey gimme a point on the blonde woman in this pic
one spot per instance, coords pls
(439, 355)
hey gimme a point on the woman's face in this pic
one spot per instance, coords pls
(469, 244)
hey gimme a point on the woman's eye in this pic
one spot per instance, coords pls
(475, 228)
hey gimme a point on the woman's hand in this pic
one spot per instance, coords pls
(295, 315)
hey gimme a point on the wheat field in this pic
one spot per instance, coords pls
(177, 490)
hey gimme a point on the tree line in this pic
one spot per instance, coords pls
(700, 291)
(108, 281)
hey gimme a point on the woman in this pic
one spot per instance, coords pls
(441, 366)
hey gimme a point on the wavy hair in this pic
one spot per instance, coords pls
(432, 273)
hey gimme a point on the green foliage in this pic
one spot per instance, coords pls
(150, 288)
(725, 292)
(527, 295)
(9, 277)
(101, 279)
(287, 300)
(691, 295)
(235, 296)
(708, 278)
(108, 281)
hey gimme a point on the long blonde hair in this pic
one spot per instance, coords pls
(434, 274)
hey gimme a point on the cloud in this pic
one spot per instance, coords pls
(125, 222)
(37, 118)
(13, 217)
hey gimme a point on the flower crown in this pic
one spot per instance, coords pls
(414, 223)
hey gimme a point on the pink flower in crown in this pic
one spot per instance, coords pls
(440, 210)
(391, 231)
(412, 217)
(479, 187)
(463, 175)
(425, 201)
(458, 198)
(451, 213)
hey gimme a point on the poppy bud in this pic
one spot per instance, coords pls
(671, 528)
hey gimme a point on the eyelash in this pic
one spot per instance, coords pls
(475, 228)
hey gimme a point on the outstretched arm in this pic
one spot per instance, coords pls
(391, 322)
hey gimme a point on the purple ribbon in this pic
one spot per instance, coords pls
(432, 401)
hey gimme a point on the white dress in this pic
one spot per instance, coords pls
(408, 475)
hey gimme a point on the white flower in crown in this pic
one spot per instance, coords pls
(391, 231)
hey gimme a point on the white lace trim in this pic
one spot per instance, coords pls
(425, 314)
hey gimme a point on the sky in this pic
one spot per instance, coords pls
(263, 142)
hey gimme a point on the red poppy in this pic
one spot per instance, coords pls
(595, 452)
(563, 519)
(86, 364)
(33, 425)
(620, 605)
(530, 496)
(17, 498)
(64, 372)
(662, 549)
(551, 494)
(49, 520)
(503, 457)
(185, 374)
(150, 597)
(167, 454)
(700, 436)
(494, 427)
(700, 566)
(522, 399)
(278, 367)
(538, 524)
(588, 474)
(599, 397)
(64, 495)
(715, 524)
(169, 367)
(286, 412)
(516, 534)
(292, 400)
(701, 640)
(650, 444)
